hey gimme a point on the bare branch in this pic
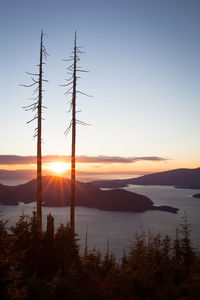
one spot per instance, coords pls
(68, 128)
(69, 78)
(33, 98)
(67, 84)
(33, 104)
(32, 119)
(71, 59)
(84, 94)
(71, 67)
(35, 81)
(28, 85)
(68, 91)
(70, 108)
(32, 74)
(82, 123)
(79, 70)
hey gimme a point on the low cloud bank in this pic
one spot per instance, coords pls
(20, 160)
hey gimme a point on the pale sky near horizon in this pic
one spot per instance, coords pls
(144, 63)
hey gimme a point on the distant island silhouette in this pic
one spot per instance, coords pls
(196, 195)
(56, 193)
(180, 178)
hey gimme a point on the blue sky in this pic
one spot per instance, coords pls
(144, 62)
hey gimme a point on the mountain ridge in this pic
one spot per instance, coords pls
(180, 178)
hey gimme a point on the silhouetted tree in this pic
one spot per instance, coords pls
(4, 258)
(37, 106)
(49, 235)
(154, 268)
(187, 250)
(47, 253)
(72, 89)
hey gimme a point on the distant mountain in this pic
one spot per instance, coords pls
(56, 192)
(182, 178)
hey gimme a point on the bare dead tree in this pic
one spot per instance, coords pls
(71, 84)
(37, 106)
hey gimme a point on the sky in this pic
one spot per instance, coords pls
(143, 59)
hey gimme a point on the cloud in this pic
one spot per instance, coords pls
(151, 158)
(116, 159)
(16, 159)
(20, 160)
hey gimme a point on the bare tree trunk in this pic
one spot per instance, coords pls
(39, 142)
(37, 106)
(72, 90)
(73, 156)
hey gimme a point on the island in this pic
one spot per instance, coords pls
(56, 193)
(196, 195)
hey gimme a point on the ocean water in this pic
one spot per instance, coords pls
(118, 228)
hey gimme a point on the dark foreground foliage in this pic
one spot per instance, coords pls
(47, 265)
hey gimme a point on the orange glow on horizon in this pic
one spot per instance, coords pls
(139, 168)
(57, 167)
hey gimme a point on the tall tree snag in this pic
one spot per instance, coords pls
(73, 156)
(39, 141)
(72, 89)
(37, 106)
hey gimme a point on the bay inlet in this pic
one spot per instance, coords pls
(119, 227)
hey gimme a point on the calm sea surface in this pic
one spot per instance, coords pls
(119, 227)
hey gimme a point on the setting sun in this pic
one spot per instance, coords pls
(58, 167)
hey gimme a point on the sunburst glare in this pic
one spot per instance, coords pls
(58, 167)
